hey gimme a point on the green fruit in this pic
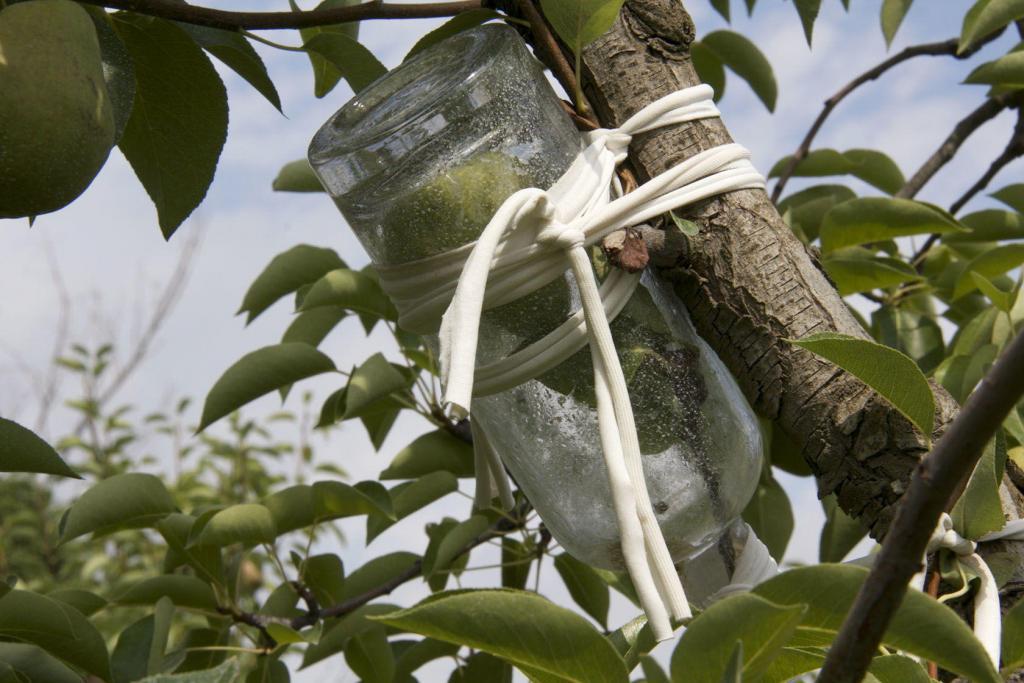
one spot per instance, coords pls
(452, 208)
(56, 120)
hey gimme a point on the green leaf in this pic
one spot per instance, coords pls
(434, 451)
(454, 543)
(411, 496)
(893, 12)
(921, 626)
(1000, 299)
(840, 533)
(124, 501)
(183, 590)
(325, 74)
(292, 508)
(297, 176)
(420, 653)
(351, 59)
(179, 120)
(457, 24)
(86, 602)
(989, 225)
(988, 264)
(548, 642)
(915, 334)
(313, 326)
(707, 644)
(688, 228)
(987, 16)
(874, 219)
(228, 672)
(804, 211)
(337, 635)
(246, 523)
(709, 67)
(873, 167)
(722, 7)
(1007, 72)
(288, 271)
(1013, 637)
(893, 375)
(369, 656)
(1012, 196)
(634, 639)
(259, 373)
(118, 70)
(130, 659)
(579, 22)
(176, 529)
(481, 667)
(808, 11)
(852, 275)
(375, 379)
(22, 451)
(898, 669)
(652, 670)
(59, 629)
(269, 670)
(979, 509)
(334, 500)
(36, 664)
(516, 559)
(586, 587)
(238, 54)
(352, 290)
(770, 516)
(734, 668)
(325, 576)
(746, 61)
(379, 571)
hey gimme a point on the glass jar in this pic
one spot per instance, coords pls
(418, 163)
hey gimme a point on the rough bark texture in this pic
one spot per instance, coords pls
(750, 283)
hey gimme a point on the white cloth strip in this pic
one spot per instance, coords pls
(988, 623)
(531, 240)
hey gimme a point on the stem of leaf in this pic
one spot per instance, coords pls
(260, 39)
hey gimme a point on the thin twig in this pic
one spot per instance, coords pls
(498, 529)
(949, 147)
(942, 48)
(268, 21)
(551, 54)
(933, 484)
(166, 302)
(60, 340)
(1013, 150)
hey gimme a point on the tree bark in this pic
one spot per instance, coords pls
(750, 284)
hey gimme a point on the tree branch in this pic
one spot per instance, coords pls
(551, 54)
(942, 48)
(931, 488)
(501, 527)
(1014, 149)
(236, 21)
(949, 147)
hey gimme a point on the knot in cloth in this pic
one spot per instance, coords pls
(987, 616)
(534, 238)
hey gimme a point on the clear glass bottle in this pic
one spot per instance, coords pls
(418, 163)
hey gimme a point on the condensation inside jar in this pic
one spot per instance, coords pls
(418, 163)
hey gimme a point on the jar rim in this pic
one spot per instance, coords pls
(375, 112)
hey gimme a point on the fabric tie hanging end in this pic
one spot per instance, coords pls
(541, 232)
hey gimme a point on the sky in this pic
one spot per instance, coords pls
(114, 262)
